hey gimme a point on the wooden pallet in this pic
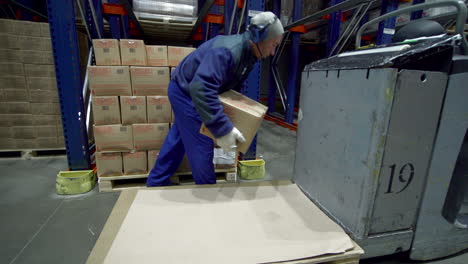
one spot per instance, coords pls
(32, 153)
(124, 182)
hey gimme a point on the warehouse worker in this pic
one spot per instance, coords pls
(218, 65)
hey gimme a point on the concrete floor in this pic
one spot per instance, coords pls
(38, 226)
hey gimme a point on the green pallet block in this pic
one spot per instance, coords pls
(75, 182)
(251, 169)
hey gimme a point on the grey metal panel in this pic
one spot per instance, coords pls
(431, 224)
(386, 244)
(413, 124)
(340, 141)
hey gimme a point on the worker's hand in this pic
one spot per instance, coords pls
(229, 141)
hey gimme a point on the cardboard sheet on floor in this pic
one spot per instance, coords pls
(224, 224)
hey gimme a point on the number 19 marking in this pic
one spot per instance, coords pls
(408, 167)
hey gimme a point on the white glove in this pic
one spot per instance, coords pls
(228, 142)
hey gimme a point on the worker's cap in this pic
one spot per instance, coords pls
(268, 24)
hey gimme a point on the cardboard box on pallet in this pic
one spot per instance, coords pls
(47, 142)
(59, 131)
(37, 57)
(106, 110)
(45, 108)
(149, 136)
(150, 80)
(44, 120)
(7, 25)
(6, 132)
(33, 70)
(113, 138)
(47, 131)
(133, 52)
(34, 132)
(135, 163)
(244, 113)
(109, 80)
(26, 28)
(34, 43)
(176, 54)
(60, 142)
(25, 143)
(42, 83)
(24, 131)
(59, 120)
(159, 109)
(5, 120)
(45, 29)
(133, 109)
(5, 108)
(156, 55)
(9, 41)
(152, 157)
(7, 143)
(15, 108)
(15, 95)
(13, 82)
(20, 119)
(43, 96)
(9, 55)
(8, 69)
(106, 51)
(109, 164)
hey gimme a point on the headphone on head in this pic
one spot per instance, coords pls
(260, 32)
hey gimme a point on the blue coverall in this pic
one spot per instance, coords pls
(218, 65)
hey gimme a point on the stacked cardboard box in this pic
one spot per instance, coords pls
(132, 112)
(29, 109)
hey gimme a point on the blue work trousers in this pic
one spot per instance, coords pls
(184, 137)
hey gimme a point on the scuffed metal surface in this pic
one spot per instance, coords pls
(389, 59)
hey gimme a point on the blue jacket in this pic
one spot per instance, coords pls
(218, 65)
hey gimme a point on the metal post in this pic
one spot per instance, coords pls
(334, 25)
(271, 83)
(293, 65)
(201, 15)
(61, 15)
(253, 80)
(353, 25)
(125, 26)
(128, 7)
(115, 23)
(214, 28)
(233, 16)
(228, 13)
(387, 27)
(98, 14)
(417, 14)
(89, 18)
(241, 19)
(80, 9)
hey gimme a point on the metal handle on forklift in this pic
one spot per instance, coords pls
(459, 28)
